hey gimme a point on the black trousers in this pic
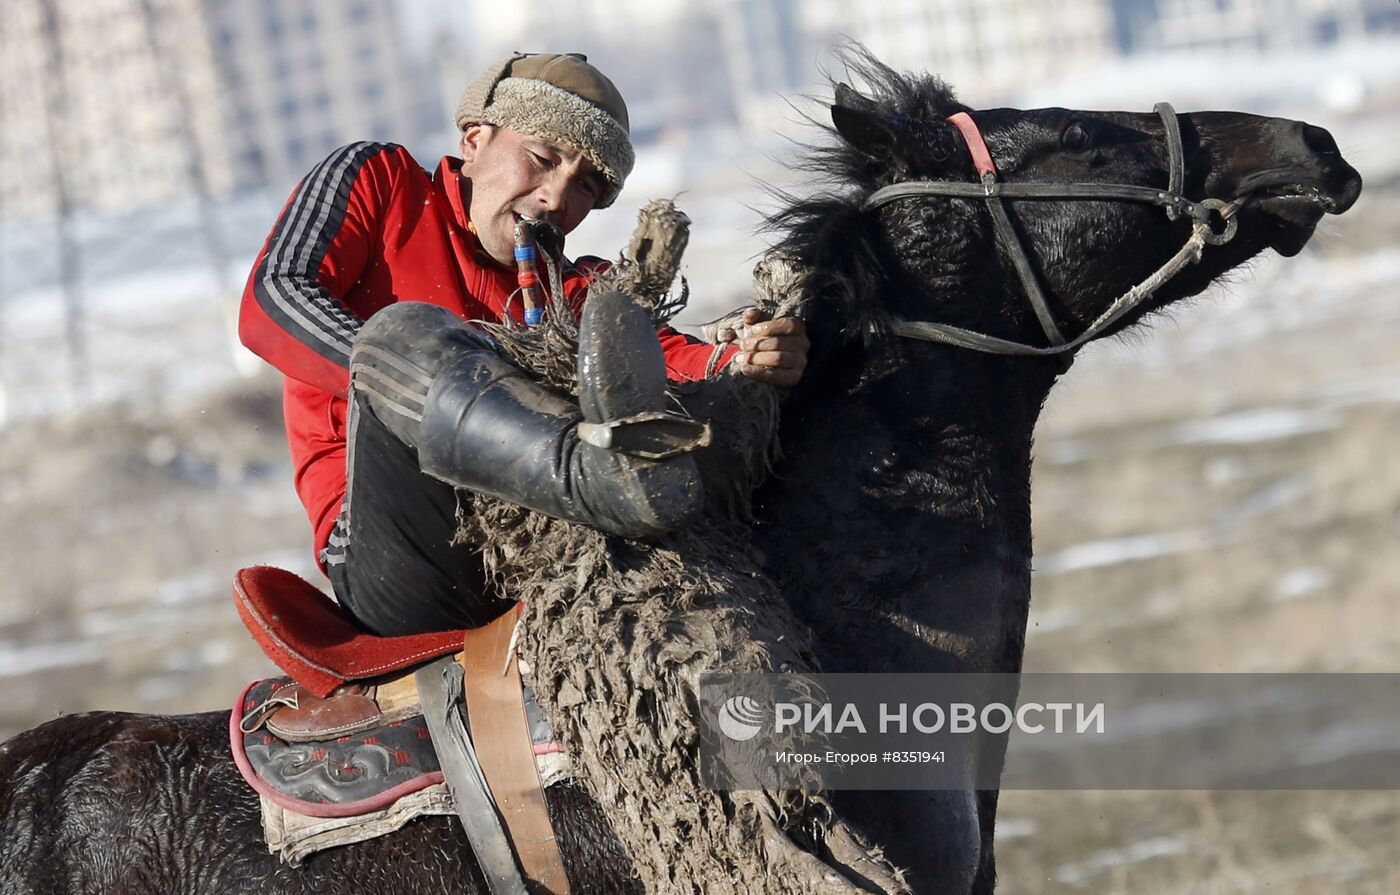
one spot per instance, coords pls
(391, 559)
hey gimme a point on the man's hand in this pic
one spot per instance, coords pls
(772, 351)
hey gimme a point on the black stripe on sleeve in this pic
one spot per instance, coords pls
(286, 284)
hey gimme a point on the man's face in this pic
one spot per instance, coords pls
(515, 175)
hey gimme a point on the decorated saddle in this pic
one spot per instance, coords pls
(341, 771)
(349, 744)
(354, 753)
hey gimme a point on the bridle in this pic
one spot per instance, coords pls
(1203, 215)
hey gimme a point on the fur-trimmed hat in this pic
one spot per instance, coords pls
(558, 97)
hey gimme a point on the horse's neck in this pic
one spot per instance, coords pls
(899, 517)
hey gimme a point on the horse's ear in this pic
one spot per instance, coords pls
(867, 131)
(847, 96)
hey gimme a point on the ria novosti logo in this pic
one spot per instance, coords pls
(741, 718)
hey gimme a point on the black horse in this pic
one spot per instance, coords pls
(898, 522)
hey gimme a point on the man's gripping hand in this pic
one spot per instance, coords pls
(771, 351)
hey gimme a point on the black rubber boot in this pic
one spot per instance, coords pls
(488, 427)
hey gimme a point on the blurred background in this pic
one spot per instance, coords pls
(1216, 495)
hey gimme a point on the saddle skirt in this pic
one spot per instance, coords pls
(343, 771)
(348, 783)
(338, 751)
(340, 774)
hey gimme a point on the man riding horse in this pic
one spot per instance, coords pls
(906, 266)
(365, 297)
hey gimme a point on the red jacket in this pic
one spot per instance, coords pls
(365, 229)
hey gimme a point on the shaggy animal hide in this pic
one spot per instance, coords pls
(616, 635)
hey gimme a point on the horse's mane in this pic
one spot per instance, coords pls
(901, 97)
(827, 230)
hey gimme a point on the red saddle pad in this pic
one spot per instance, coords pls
(311, 638)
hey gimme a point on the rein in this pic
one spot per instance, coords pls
(992, 190)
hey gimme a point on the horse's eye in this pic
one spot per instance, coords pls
(1076, 137)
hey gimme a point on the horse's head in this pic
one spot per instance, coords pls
(946, 262)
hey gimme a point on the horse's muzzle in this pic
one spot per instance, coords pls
(1292, 198)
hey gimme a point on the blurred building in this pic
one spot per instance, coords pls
(984, 48)
(681, 65)
(83, 103)
(666, 56)
(764, 48)
(1250, 25)
(114, 104)
(742, 61)
(306, 77)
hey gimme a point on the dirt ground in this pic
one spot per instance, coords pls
(1218, 496)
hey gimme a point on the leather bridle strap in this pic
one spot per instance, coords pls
(992, 191)
(948, 334)
(1170, 198)
(1001, 222)
(1176, 155)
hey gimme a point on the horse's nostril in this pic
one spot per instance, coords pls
(1318, 139)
